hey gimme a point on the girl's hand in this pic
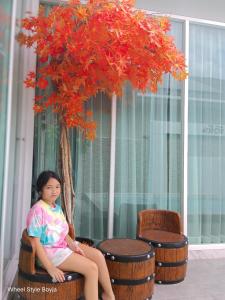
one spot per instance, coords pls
(75, 248)
(79, 251)
(56, 274)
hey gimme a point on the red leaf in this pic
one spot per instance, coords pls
(94, 48)
(42, 83)
(37, 108)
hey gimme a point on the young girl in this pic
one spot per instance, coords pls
(56, 251)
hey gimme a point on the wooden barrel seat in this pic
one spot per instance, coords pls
(131, 266)
(171, 254)
(158, 219)
(36, 283)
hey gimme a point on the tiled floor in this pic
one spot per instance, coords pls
(205, 280)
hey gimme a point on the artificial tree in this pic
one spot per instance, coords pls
(95, 47)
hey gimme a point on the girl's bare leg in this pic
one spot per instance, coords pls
(103, 273)
(88, 268)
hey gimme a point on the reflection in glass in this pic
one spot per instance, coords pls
(206, 156)
(148, 151)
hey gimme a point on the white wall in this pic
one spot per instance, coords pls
(201, 9)
(19, 151)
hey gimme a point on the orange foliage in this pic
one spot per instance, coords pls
(86, 49)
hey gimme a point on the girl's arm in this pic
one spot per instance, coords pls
(69, 241)
(54, 272)
(73, 245)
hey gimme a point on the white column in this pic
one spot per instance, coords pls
(7, 144)
(112, 168)
(20, 62)
(185, 131)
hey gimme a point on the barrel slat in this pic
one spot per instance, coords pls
(170, 255)
(114, 268)
(126, 270)
(68, 290)
(182, 254)
(51, 295)
(142, 269)
(37, 293)
(138, 292)
(181, 272)
(27, 262)
(22, 284)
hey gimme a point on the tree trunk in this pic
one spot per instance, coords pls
(68, 195)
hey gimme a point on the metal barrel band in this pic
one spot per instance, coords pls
(169, 282)
(46, 278)
(170, 264)
(132, 281)
(126, 258)
(168, 245)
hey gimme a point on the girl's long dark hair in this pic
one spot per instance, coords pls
(43, 178)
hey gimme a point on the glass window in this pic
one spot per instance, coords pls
(206, 156)
(5, 11)
(46, 145)
(90, 165)
(9, 244)
(91, 173)
(148, 151)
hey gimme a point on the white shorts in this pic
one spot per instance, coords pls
(60, 256)
(57, 256)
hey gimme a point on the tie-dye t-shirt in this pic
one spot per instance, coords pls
(50, 225)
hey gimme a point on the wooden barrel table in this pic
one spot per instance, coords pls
(131, 266)
(171, 254)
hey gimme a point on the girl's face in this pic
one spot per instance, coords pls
(51, 191)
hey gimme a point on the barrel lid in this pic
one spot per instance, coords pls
(122, 249)
(164, 238)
